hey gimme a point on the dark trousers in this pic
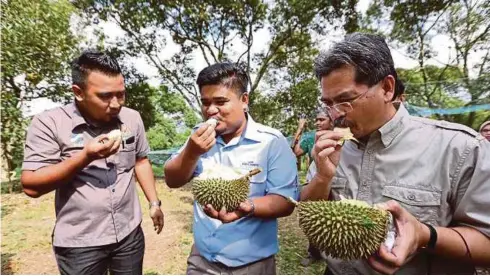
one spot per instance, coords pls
(198, 265)
(314, 252)
(124, 257)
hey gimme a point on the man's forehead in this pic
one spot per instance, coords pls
(216, 91)
(335, 95)
(339, 82)
(100, 79)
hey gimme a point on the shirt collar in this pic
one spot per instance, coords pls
(77, 118)
(394, 126)
(251, 132)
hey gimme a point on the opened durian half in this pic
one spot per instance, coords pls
(222, 187)
(347, 135)
(346, 229)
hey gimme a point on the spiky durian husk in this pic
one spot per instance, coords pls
(221, 193)
(347, 229)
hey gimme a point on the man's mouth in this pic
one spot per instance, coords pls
(341, 122)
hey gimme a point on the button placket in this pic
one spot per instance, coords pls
(367, 168)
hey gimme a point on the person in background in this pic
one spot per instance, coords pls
(245, 240)
(432, 176)
(485, 130)
(68, 150)
(307, 140)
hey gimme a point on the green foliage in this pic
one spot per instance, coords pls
(37, 42)
(294, 91)
(413, 25)
(139, 98)
(217, 29)
(171, 103)
(435, 87)
(36, 47)
(164, 135)
(283, 110)
(171, 108)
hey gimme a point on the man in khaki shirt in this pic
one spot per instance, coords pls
(68, 150)
(433, 176)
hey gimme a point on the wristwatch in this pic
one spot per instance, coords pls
(252, 211)
(433, 236)
(157, 203)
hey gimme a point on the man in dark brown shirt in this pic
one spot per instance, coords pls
(68, 150)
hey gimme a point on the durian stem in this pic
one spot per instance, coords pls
(254, 172)
(293, 201)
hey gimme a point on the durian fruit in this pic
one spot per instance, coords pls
(115, 134)
(212, 122)
(347, 135)
(346, 229)
(222, 187)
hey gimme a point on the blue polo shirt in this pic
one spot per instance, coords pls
(248, 239)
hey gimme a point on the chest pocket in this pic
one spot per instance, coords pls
(424, 205)
(126, 157)
(257, 184)
(338, 186)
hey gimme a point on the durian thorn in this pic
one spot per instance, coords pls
(293, 201)
(253, 172)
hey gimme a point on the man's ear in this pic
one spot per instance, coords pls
(245, 99)
(388, 88)
(79, 95)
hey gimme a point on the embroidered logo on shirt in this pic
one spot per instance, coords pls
(249, 165)
(77, 140)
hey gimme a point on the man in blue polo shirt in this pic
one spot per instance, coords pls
(243, 241)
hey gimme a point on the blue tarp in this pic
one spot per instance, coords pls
(425, 112)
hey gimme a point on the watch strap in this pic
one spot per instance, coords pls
(156, 203)
(433, 236)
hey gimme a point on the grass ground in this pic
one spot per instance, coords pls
(27, 224)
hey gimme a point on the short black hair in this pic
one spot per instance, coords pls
(93, 60)
(399, 89)
(368, 54)
(229, 74)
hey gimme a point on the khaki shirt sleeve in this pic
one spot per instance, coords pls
(471, 192)
(41, 147)
(142, 146)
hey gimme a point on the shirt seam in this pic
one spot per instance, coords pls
(460, 164)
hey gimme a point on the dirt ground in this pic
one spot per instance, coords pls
(27, 224)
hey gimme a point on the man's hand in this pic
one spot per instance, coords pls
(411, 235)
(326, 152)
(202, 140)
(101, 147)
(156, 215)
(243, 209)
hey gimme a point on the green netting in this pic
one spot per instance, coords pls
(158, 157)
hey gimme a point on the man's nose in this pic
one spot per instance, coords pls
(334, 114)
(212, 110)
(114, 103)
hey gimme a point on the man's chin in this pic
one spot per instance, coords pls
(220, 131)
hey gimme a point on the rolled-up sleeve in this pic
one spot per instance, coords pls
(282, 174)
(197, 170)
(472, 206)
(41, 147)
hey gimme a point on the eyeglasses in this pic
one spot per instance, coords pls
(343, 107)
